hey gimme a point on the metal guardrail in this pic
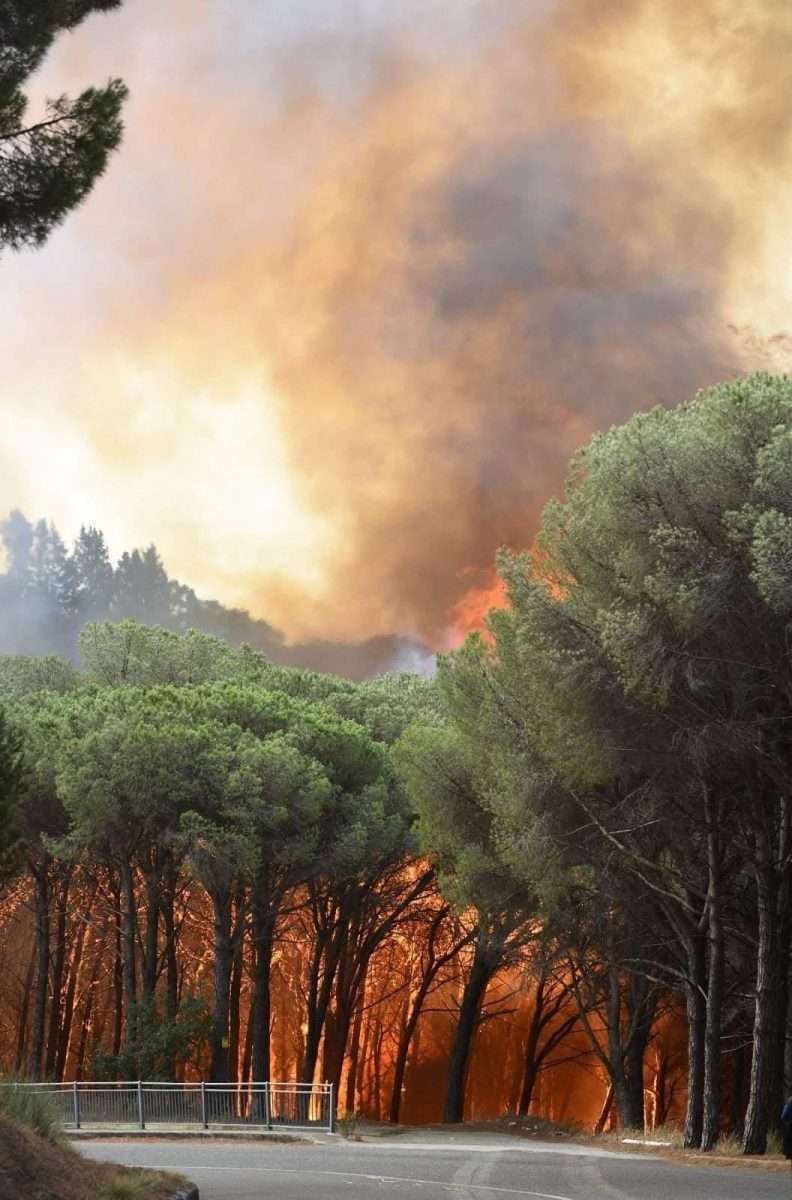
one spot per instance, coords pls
(143, 1104)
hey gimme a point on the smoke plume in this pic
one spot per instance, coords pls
(486, 255)
(497, 261)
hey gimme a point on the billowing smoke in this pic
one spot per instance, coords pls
(493, 261)
(499, 258)
(445, 269)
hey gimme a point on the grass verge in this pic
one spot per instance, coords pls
(36, 1166)
(133, 1183)
(34, 1109)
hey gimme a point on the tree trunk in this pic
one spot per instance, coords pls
(79, 1059)
(58, 968)
(260, 1013)
(88, 1006)
(128, 938)
(778, 1092)
(71, 987)
(350, 1104)
(90, 1001)
(635, 1078)
(223, 965)
(379, 1036)
(151, 954)
(787, 1026)
(337, 1035)
(42, 899)
(714, 1007)
(317, 1015)
(643, 1008)
(118, 980)
(23, 1013)
(766, 1004)
(234, 1015)
(695, 997)
(171, 958)
(626, 1055)
(247, 1056)
(660, 1098)
(738, 1100)
(311, 1050)
(472, 997)
(364, 1073)
(407, 1035)
(605, 1111)
(531, 1065)
(621, 1092)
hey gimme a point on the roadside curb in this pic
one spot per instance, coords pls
(178, 1135)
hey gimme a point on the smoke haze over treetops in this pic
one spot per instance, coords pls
(356, 287)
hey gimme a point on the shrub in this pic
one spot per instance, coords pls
(155, 1043)
(31, 1107)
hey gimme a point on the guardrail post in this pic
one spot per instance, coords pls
(141, 1114)
(203, 1104)
(267, 1106)
(331, 1115)
(76, 1099)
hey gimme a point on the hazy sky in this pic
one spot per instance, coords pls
(231, 100)
(362, 276)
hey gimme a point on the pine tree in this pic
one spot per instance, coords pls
(48, 166)
(141, 588)
(17, 535)
(10, 784)
(94, 575)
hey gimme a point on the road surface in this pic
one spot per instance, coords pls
(427, 1166)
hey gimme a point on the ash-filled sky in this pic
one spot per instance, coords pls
(363, 276)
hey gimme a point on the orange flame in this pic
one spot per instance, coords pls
(469, 614)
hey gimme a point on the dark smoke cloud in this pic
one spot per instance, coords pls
(449, 260)
(494, 266)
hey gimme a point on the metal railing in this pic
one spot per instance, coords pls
(143, 1105)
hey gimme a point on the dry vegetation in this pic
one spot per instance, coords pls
(33, 1167)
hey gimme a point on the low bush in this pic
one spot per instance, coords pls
(33, 1108)
(133, 1183)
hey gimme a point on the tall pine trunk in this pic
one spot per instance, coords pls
(118, 977)
(778, 1090)
(307, 1065)
(530, 1062)
(128, 940)
(223, 965)
(22, 1028)
(85, 1021)
(715, 972)
(58, 969)
(42, 901)
(696, 1005)
(349, 982)
(403, 1049)
(171, 958)
(472, 998)
(151, 945)
(321, 993)
(260, 1013)
(75, 965)
(771, 896)
(354, 1058)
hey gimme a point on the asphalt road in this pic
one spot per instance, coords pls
(426, 1167)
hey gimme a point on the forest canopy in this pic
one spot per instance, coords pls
(49, 593)
(568, 855)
